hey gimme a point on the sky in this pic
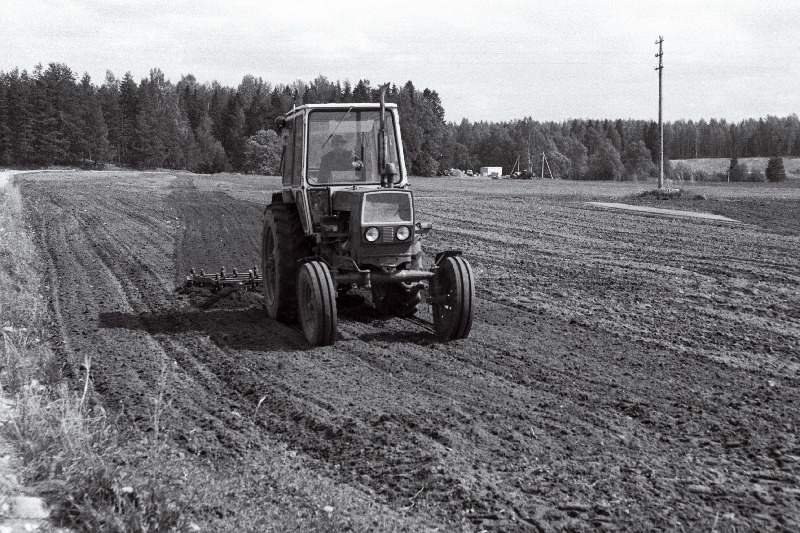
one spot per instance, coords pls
(488, 60)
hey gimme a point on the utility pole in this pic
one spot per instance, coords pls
(542, 165)
(660, 69)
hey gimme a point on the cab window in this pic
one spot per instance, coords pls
(297, 173)
(343, 146)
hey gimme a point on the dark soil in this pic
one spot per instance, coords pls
(778, 215)
(623, 372)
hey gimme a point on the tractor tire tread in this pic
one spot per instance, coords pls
(460, 320)
(323, 332)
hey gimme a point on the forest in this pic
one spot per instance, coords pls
(51, 117)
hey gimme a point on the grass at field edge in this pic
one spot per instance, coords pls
(66, 442)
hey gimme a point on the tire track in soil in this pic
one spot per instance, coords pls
(546, 417)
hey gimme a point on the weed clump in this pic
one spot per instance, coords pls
(99, 500)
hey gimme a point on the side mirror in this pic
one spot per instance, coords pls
(423, 228)
(280, 122)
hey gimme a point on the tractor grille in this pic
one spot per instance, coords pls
(387, 234)
(387, 207)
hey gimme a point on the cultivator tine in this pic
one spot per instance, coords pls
(238, 280)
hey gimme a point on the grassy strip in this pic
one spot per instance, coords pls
(68, 444)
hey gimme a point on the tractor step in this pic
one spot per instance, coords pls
(247, 280)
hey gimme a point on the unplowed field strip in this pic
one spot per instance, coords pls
(622, 372)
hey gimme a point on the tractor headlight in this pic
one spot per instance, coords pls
(372, 234)
(403, 233)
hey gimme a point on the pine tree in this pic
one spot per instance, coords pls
(109, 96)
(274, 110)
(432, 97)
(167, 120)
(191, 94)
(94, 135)
(20, 149)
(362, 92)
(5, 137)
(256, 116)
(192, 158)
(232, 129)
(216, 109)
(129, 110)
(775, 170)
(347, 92)
(56, 121)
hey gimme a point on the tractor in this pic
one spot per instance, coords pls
(345, 220)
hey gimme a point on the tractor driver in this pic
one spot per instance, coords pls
(338, 159)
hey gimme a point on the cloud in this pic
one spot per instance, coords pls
(570, 58)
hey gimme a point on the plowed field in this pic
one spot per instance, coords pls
(623, 371)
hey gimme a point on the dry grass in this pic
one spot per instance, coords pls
(23, 313)
(67, 443)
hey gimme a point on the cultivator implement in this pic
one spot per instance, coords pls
(246, 280)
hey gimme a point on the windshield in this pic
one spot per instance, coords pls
(343, 146)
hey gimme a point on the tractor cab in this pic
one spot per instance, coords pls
(341, 144)
(334, 147)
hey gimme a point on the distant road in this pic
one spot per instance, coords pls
(665, 212)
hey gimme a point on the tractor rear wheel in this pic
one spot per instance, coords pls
(398, 299)
(316, 298)
(283, 245)
(454, 296)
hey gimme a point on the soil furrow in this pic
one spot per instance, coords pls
(622, 373)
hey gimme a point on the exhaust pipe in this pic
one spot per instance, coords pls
(388, 170)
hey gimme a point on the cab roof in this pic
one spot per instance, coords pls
(342, 105)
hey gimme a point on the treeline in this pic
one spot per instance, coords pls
(612, 149)
(49, 116)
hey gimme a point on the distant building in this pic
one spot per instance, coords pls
(492, 171)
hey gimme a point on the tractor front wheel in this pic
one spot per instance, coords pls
(316, 302)
(454, 295)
